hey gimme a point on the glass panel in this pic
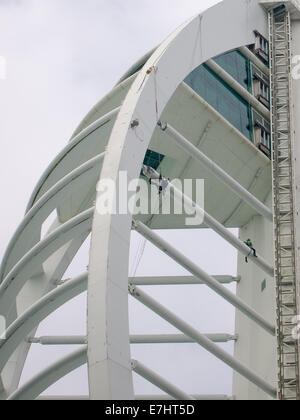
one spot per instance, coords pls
(153, 159)
(219, 95)
(236, 65)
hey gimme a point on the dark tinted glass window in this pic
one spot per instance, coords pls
(153, 159)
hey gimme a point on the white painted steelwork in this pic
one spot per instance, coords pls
(113, 138)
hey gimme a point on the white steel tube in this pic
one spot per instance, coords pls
(208, 345)
(252, 57)
(44, 200)
(177, 280)
(247, 96)
(134, 339)
(73, 143)
(59, 341)
(178, 338)
(202, 275)
(158, 381)
(215, 225)
(38, 384)
(217, 171)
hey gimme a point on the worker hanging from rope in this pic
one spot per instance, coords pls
(163, 184)
(253, 250)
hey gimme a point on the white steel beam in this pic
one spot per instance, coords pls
(217, 171)
(67, 149)
(178, 338)
(213, 223)
(25, 324)
(178, 280)
(255, 60)
(158, 381)
(42, 209)
(59, 340)
(204, 342)
(244, 93)
(134, 339)
(38, 384)
(202, 275)
(25, 268)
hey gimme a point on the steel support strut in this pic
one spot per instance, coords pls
(217, 171)
(201, 339)
(202, 275)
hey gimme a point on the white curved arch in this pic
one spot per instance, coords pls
(30, 319)
(32, 389)
(191, 45)
(25, 268)
(54, 269)
(49, 177)
(33, 220)
(110, 101)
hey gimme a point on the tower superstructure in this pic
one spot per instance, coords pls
(217, 101)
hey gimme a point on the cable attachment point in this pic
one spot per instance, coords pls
(131, 289)
(150, 70)
(162, 125)
(134, 225)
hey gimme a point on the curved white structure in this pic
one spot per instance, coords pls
(153, 108)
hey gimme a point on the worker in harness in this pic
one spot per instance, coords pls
(250, 245)
(163, 184)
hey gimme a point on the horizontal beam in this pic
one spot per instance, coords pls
(235, 85)
(59, 340)
(221, 290)
(212, 223)
(203, 341)
(134, 339)
(160, 382)
(25, 268)
(217, 171)
(178, 338)
(178, 280)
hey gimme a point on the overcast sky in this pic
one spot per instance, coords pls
(62, 57)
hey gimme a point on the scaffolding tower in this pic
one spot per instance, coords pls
(286, 273)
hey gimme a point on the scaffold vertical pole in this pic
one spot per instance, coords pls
(286, 273)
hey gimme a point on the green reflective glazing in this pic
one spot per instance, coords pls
(221, 97)
(153, 159)
(235, 64)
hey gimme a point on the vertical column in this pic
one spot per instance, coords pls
(286, 273)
